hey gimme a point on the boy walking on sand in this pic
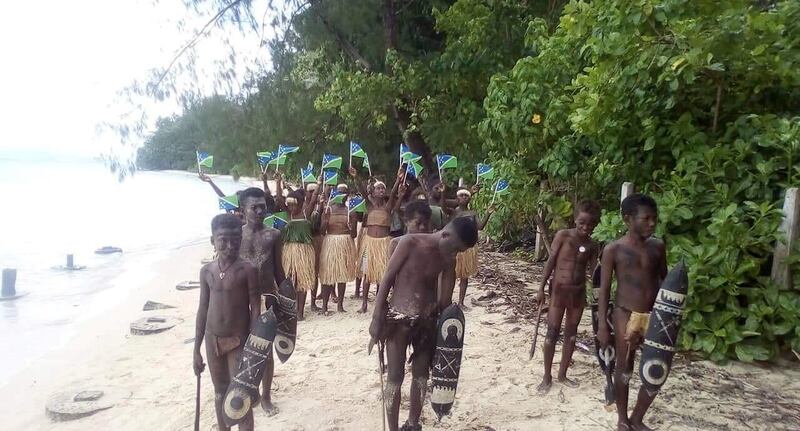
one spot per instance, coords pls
(639, 263)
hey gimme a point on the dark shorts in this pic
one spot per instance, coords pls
(568, 295)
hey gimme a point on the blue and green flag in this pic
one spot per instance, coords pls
(287, 149)
(277, 220)
(270, 158)
(501, 187)
(356, 150)
(414, 169)
(357, 204)
(366, 164)
(406, 156)
(331, 161)
(446, 161)
(330, 177)
(229, 203)
(204, 160)
(307, 174)
(485, 171)
(336, 197)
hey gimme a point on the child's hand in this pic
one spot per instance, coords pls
(264, 176)
(353, 172)
(540, 297)
(198, 364)
(204, 177)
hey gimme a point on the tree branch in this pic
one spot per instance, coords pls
(717, 107)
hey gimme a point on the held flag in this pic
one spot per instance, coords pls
(330, 177)
(446, 161)
(307, 174)
(331, 161)
(229, 203)
(485, 171)
(356, 150)
(357, 204)
(205, 160)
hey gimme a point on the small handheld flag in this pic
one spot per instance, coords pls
(357, 204)
(485, 171)
(336, 197)
(277, 220)
(501, 187)
(331, 161)
(366, 164)
(229, 203)
(330, 177)
(307, 174)
(446, 161)
(356, 150)
(287, 149)
(204, 160)
(414, 169)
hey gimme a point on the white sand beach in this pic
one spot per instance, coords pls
(331, 384)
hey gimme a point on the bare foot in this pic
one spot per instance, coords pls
(568, 382)
(301, 318)
(545, 386)
(268, 407)
(314, 307)
(363, 309)
(341, 309)
(355, 296)
(640, 427)
(622, 426)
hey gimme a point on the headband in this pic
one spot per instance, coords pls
(291, 200)
(464, 192)
(342, 187)
(311, 187)
(379, 183)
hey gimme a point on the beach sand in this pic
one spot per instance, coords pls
(331, 384)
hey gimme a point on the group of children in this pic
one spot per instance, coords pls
(322, 245)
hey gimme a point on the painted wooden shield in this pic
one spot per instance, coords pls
(606, 356)
(662, 331)
(243, 390)
(447, 359)
(286, 315)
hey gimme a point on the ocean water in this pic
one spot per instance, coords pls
(57, 208)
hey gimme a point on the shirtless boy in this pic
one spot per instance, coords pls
(410, 316)
(229, 301)
(261, 246)
(639, 263)
(573, 257)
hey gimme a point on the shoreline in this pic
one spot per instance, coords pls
(331, 384)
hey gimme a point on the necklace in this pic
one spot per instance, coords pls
(222, 271)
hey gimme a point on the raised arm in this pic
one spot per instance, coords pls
(395, 187)
(310, 202)
(361, 187)
(206, 179)
(280, 200)
(551, 264)
(200, 323)
(265, 179)
(401, 192)
(606, 272)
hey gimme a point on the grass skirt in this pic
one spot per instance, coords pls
(373, 257)
(298, 265)
(467, 263)
(337, 263)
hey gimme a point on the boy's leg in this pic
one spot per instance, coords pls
(220, 378)
(554, 316)
(420, 367)
(340, 305)
(266, 387)
(326, 296)
(462, 291)
(643, 403)
(622, 371)
(233, 358)
(365, 296)
(314, 291)
(358, 288)
(396, 345)
(570, 333)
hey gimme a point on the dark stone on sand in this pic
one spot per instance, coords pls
(108, 250)
(82, 402)
(9, 291)
(188, 285)
(153, 325)
(151, 305)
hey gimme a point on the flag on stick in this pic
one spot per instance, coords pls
(485, 171)
(287, 149)
(331, 161)
(330, 177)
(307, 174)
(357, 204)
(336, 197)
(204, 160)
(229, 203)
(277, 220)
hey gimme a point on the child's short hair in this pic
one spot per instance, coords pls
(588, 206)
(467, 230)
(255, 192)
(299, 195)
(420, 208)
(631, 204)
(225, 221)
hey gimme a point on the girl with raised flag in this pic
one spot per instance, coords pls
(298, 257)
(337, 265)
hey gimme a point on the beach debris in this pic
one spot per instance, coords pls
(9, 291)
(75, 404)
(108, 250)
(152, 305)
(153, 325)
(70, 266)
(188, 285)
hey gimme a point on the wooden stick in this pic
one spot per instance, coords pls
(536, 331)
(197, 406)
(383, 390)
